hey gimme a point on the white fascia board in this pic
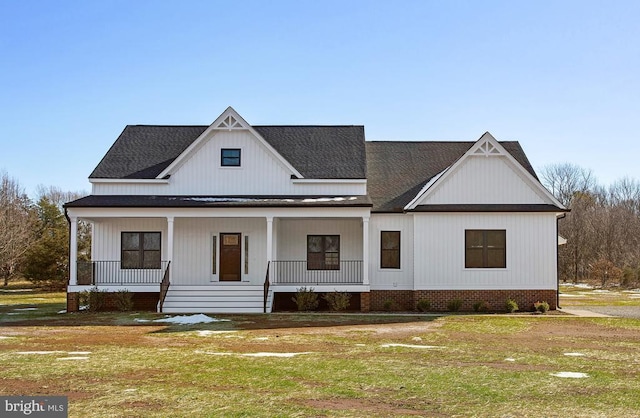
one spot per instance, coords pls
(212, 128)
(329, 181)
(131, 181)
(422, 191)
(222, 212)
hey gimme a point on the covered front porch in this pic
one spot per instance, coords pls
(206, 253)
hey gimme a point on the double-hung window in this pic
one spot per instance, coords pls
(323, 252)
(485, 248)
(140, 250)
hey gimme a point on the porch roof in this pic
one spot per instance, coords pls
(151, 201)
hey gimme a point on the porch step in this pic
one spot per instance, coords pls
(216, 299)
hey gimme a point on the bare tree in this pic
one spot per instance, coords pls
(566, 180)
(17, 226)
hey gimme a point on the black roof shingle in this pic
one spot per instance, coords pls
(317, 152)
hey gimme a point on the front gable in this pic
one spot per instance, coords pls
(486, 174)
(229, 121)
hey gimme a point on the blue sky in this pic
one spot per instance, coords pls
(561, 77)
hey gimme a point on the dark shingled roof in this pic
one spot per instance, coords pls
(144, 201)
(329, 152)
(397, 171)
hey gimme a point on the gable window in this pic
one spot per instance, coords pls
(140, 250)
(323, 252)
(230, 157)
(485, 248)
(390, 249)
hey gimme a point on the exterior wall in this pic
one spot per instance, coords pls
(105, 241)
(261, 173)
(193, 256)
(292, 234)
(440, 251)
(439, 299)
(391, 279)
(490, 180)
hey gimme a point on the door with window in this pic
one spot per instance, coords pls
(230, 257)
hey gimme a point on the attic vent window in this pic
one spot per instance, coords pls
(230, 157)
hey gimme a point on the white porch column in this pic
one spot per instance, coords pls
(73, 252)
(170, 244)
(269, 238)
(365, 250)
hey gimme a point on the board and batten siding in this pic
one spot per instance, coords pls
(106, 236)
(439, 245)
(292, 237)
(193, 253)
(391, 279)
(260, 173)
(488, 180)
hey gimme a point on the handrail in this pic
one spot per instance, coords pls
(303, 272)
(114, 272)
(164, 287)
(266, 287)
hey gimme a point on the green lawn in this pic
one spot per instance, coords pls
(117, 364)
(580, 295)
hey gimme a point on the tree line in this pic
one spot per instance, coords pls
(34, 235)
(602, 229)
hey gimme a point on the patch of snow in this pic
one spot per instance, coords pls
(213, 353)
(26, 309)
(510, 359)
(79, 353)
(600, 291)
(574, 354)
(205, 333)
(579, 285)
(328, 199)
(40, 352)
(570, 375)
(417, 339)
(141, 320)
(285, 355)
(13, 313)
(83, 307)
(261, 338)
(190, 319)
(4, 337)
(218, 199)
(62, 311)
(130, 390)
(634, 296)
(408, 346)
(72, 358)
(16, 290)
(361, 345)
(570, 295)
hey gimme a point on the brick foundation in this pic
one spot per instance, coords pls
(365, 302)
(73, 304)
(405, 300)
(142, 301)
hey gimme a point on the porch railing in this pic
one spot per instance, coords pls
(266, 287)
(164, 287)
(298, 273)
(112, 273)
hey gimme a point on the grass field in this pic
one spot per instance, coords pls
(124, 364)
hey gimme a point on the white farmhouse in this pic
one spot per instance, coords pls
(232, 217)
